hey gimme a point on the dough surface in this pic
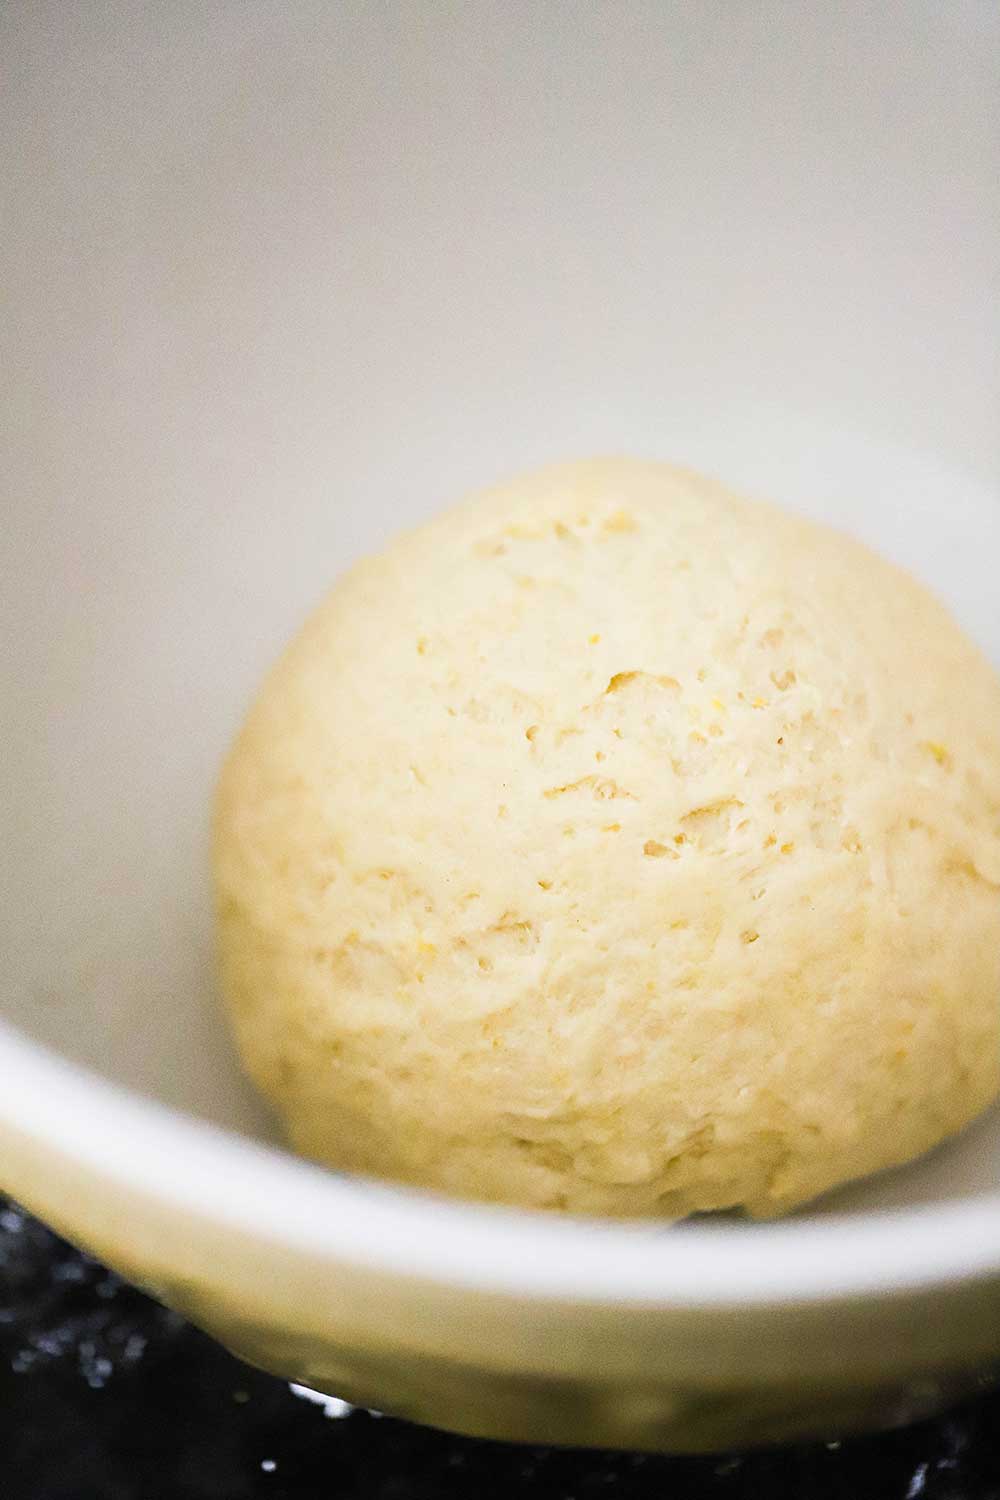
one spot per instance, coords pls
(618, 845)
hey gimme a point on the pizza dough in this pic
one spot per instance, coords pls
(618, 845)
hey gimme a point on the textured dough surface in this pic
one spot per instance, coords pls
(619, 845)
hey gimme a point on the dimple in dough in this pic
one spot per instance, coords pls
(618, 845)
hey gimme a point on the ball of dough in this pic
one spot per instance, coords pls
(616, 844)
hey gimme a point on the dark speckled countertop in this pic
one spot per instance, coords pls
(104, 1395)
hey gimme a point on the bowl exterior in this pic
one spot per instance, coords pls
(537, 1369)
(653, 1414)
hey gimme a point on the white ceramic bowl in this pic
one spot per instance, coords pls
(283, 278)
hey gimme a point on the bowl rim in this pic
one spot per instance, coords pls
(201, 1170)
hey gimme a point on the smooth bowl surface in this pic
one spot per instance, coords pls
(286, 279)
